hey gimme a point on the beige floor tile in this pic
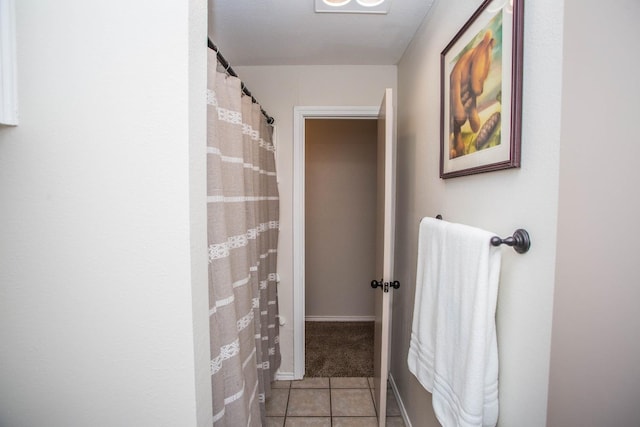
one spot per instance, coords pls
(395, 422)
(349, 382)
(309, 403)
(308, 422)
(393, 410)
(281, 384)
(316, 382)
(355, 422)
(275, 421)
(276, 404)
(352, 403)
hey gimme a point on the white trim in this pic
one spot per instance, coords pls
(300, 114)
(340, 318)
(403, 410)
(8, 73)
(284, 376)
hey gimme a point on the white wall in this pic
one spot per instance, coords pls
(499, 201)
(103, 308)
(279, 89)
(595, 351)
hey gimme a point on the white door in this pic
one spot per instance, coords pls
(384, 251)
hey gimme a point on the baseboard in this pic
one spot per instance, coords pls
(403, 410)
(340, 318)
(284, 376)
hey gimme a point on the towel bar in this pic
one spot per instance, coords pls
(520, 240)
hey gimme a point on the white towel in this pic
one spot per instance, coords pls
(453, 350)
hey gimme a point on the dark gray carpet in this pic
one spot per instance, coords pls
(339, 349)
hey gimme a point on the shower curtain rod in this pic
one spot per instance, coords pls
(227, 67)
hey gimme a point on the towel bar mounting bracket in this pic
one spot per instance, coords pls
(519, 241)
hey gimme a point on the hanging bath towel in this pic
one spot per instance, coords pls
(453, 350)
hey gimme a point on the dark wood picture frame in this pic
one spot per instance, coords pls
(481, 92)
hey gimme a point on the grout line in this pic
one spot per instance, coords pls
(373, 398)
(330, 404)
(286, 408)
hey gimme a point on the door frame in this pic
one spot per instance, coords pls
(300, 114)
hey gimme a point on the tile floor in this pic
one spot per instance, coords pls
(327, 402)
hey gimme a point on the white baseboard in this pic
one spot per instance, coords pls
(340, 318)
(284, 376)
(403, 410)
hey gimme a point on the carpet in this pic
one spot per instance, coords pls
(339, 349)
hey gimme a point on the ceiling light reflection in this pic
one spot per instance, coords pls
(336, 3)
(370, 3)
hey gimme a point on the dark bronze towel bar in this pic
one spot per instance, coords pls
(520, 240)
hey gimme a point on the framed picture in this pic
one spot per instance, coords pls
(481, 90)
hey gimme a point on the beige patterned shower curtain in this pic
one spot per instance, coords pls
(243, 214)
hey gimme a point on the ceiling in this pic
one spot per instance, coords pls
(289, 32)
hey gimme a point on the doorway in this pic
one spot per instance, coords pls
(302, 115)
(340, 246)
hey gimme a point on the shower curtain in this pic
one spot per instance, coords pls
(243, 213)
